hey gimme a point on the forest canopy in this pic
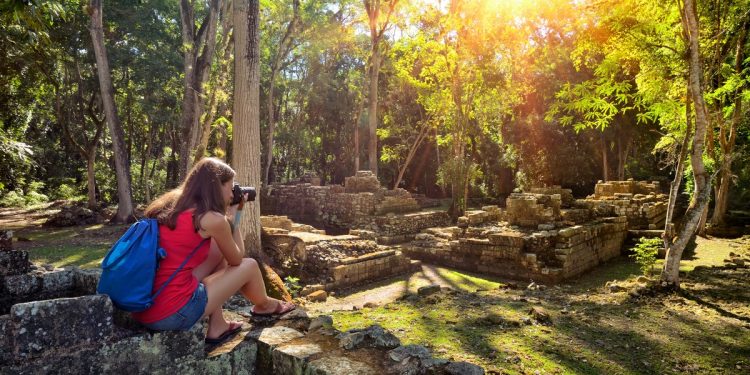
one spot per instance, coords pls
(468, 99)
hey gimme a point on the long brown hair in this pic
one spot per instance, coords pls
(201, 190)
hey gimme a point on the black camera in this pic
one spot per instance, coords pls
(238, 191)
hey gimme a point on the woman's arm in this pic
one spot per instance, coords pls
(218, 227)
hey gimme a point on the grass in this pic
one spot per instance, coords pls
(81, 246)
(704, 330)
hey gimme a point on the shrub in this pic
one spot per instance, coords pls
(292, 284)
(12, 199)
(645, 252)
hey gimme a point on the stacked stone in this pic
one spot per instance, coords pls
(12, 262)
(530, 210)
(370, 267)
(392, 229)
(347, 209)
(566, 195)
(362, 181)
(303, 202)
(396, 201)
(642, 211)
(610, 188)
(582, 247)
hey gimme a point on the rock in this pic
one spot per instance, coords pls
(323, 321)
(540, 315)
(508, 285)
(527, 321)
(370, 305)
(463, 368)
(614, 288)
(308, 289)
(643, 279)
(429, 289)
(371, 337)
(738, 261)
(318, 296)
(413, 359)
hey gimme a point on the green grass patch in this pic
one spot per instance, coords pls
(89, 256)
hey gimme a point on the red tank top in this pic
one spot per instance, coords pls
(178, 244)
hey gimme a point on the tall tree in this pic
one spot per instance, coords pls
(378, 24)
(246, 140)
(199, 44)
(671, 271)
(122, 165)
(284, 47)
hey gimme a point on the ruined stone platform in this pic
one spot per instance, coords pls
(87, 335)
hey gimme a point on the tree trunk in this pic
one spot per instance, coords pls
(91, 179)
(198, 54)
(124, 212)
(246, 141)
(360, 108)
(372, 145)
(412, 151)
(671, 270)
(285, 46)
(605, 174)
(674, 189)
(727, 145)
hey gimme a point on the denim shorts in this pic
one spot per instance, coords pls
(185, 317)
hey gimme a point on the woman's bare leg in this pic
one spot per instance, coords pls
(215, 262)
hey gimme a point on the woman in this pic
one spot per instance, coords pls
(200, 209)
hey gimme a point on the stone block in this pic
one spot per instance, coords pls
(268, 340)
(338, 365)
(23, 285)
(61, 323)
(86, 280)
(14, 262)
(6, 240)
(58, 281)
(293, 358)
(371, 337)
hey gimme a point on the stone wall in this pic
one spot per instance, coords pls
(530, 210)
(641, 202)
(360, 204)
(611, 188)
(566, 195)
(549, 256)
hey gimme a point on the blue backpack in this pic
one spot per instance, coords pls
(129, 268)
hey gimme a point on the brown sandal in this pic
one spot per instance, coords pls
(282, 308)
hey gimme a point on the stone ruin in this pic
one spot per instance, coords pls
(83, 333)
(333, 262)
(360, 204)
(544, 235)
(373, 216)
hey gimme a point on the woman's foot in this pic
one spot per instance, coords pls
(273, 307)
(217, 336)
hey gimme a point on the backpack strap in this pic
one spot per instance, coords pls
(179, 268)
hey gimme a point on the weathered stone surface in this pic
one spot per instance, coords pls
(292, 358)
(371, 337)
(14, 262)
(268, 339)
(273, 221)
(58, 280)
(6, 240)
(413, 359)
(21, 285)
(335, 365)
(88, 320)
(463, 368)
(318, 296)
(87, 280)
(322, 321)
(307, 289)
